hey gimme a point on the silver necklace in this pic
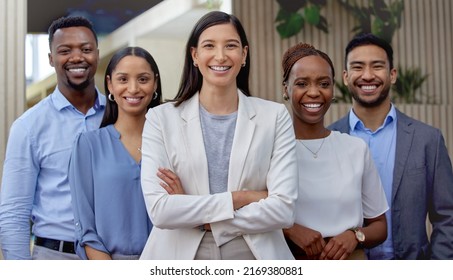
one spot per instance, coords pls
(315, 154)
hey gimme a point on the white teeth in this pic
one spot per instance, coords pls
(312, 105)
(77, 70)
(369, 87)
(220, 68)
(133, 98)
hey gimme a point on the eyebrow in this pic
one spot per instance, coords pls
(69, 45)
(319, 78)
(124, 73)
(364, 62)
(228, 41)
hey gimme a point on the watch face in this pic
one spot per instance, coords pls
(360, 236)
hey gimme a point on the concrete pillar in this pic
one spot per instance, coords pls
(13, 28)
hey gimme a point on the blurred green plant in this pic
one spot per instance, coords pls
(379, 18)
(345, 97)
(213, 4)
(293, 15)
(408, 82)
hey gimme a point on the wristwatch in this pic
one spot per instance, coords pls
(359, 235)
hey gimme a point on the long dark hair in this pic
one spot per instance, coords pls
(191, 79)
(111, 108)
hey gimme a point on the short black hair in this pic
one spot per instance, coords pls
(70, 21)
(369, 39)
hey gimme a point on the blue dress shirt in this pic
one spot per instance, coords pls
(35, 183)
(382, 143)
(109, 207)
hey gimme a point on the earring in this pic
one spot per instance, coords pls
(155, 95)
(111, 98)
(243, 64)
(333, 100)
(285, 97)
(194, 64)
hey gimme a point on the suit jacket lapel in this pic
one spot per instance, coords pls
(194, 144)
(404, 136)
(243, 135)
(343, 125)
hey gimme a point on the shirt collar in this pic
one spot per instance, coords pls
(60, 102)
(356, 123)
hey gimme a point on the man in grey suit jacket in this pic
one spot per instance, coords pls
(411, 156)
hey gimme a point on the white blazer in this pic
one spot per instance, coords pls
(263, 157)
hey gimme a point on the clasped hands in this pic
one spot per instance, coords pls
(315, 246)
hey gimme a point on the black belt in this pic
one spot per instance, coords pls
(57, 245)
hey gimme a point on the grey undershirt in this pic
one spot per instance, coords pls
(218, 134)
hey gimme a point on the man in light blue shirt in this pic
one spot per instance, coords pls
(382, 143)
(35, 183)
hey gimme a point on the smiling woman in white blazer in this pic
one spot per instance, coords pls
(191, 219)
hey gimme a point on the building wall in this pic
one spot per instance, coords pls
(424, 40)
(13, 22)
(169, 56)
(12, 66)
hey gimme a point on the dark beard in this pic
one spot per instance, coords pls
(79, 87)
(376, 103)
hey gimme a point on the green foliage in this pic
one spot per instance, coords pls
(293, 15)
(213, 4)
(291, 23)
(379, 18)
(312, 15)
(345, 97)
(408, 82)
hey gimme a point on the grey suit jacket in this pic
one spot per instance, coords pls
(422, 184)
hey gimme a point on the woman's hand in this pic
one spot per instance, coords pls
(339, 247)
(309, 240)
(93, 254)
(171, 182)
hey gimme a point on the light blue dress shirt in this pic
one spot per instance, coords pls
(382, 143)
(109, 207)
(35, 183)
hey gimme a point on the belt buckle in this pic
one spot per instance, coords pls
(61, 246)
